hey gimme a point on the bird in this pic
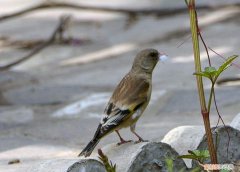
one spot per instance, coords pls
(128, 101)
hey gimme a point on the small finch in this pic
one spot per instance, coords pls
(128, 101)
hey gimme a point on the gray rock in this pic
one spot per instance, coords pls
(143, 157)
(68, 165)
(236, 122)
(236, 166)
(184, 138)
(227, 149)
(130, 157)
(87, 165)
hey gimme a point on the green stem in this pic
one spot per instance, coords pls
(197, 60)
(210, 97)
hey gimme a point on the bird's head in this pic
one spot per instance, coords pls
(146, 60)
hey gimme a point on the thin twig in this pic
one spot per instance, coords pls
(29, 44)
(185, 40)
(234, 64)
(206, 49)
(59, 30)
(220, 117)
(229, 79)
(217, 122)
(148, 11)
(200, 35)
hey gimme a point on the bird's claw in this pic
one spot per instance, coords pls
(140, 140)
(123, 142)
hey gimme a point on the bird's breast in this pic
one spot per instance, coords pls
(137, 114)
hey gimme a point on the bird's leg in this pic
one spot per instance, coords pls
(140, 139)
(122, 141)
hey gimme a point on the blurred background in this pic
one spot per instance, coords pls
(61, 60)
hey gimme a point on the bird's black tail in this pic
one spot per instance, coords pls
(89, 148)
(92, 144)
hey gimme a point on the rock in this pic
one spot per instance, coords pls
(184, 138)
(227, 150)
(68, 165)
(237, 166)
(130, 157)
(14, 161)
(236, 122)
(144, 157)
(87, 165)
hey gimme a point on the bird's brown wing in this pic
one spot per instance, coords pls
(130, 94)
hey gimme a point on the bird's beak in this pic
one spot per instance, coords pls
(162, 57)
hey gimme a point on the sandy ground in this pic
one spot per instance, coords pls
(52, 103)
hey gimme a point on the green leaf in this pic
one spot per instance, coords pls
(225, 65)
(225, 170)
(198, 155)
(212, 73)
(182, 169)
(191, 152)
(169, 163)
(189, 156)
(210, 70)
(202, 153)
(196, 169)
(107, 163)
(202, 74)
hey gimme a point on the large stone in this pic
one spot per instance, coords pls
(184, 138)
(236, 122)
(87, 165)
(130, 157)
(143, 157)
(68, 165)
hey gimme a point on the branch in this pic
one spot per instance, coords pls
(57, 32)
(30, 44)
(148, 11)
(229, 79)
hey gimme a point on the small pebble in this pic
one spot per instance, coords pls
(14, 161)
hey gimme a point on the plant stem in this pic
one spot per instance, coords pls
(197, 60)
(210, 96)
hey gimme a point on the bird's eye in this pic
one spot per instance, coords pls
(152, 54)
